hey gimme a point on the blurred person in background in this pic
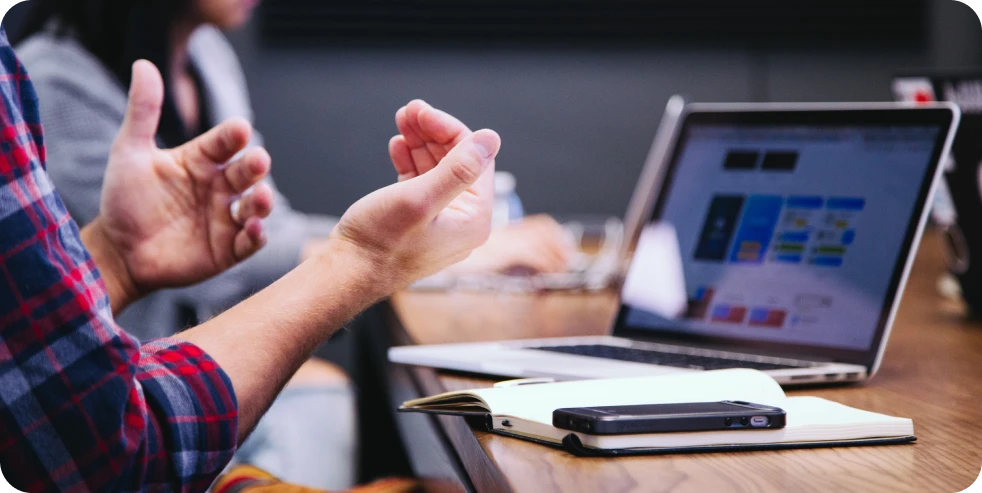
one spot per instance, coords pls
(79, 54)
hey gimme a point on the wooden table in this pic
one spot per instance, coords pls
(932, 373)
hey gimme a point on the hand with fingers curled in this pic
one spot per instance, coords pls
(440, 209)
(427, 136)
(537, 244)
(171, 218)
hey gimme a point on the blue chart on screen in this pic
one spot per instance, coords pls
(756, 228)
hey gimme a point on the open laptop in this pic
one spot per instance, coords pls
(776, 237)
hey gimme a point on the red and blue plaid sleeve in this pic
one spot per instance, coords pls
(83, 406)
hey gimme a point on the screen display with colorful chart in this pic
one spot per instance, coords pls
(791, 234)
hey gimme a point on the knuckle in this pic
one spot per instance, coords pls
(240, 172)
(141, 107)
(226, 139)
(467, 169)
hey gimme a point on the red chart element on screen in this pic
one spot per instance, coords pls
(768, 318)
(729, 314)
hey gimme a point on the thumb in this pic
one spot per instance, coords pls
(463, 167)
(145, 102)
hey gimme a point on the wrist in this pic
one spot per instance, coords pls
(120, 286)
(363, 272)
(311, 248)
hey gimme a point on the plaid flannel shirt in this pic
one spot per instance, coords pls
(83, 406)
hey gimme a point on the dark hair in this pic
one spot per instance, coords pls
(118, 33)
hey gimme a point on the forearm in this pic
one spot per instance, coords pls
(119, 284)
(261, 342)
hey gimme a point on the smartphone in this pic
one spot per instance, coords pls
(669, 418)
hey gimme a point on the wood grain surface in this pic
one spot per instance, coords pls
(932, 373)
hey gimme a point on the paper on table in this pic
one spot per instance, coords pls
(656, 280)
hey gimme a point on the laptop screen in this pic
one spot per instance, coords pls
(786, 233)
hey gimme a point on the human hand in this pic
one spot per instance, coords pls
(538, 244)
(426, 135)
(436, 215)
(535, 245)
(165, 217)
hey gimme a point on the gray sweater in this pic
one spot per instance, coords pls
(82, 107)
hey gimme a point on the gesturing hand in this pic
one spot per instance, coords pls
(426, 136)
(438, 212)
(165, 214)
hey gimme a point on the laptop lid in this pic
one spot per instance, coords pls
(644, 195)
(792, 227)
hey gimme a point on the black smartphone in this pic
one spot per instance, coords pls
(668, 418)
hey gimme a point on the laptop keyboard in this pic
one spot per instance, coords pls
(652, 357)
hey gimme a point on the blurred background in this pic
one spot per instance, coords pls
(576, 88)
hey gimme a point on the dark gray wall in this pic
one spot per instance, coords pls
(576, 122)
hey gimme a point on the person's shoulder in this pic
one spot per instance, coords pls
(60, 65)
(209, 43)
(219, 67)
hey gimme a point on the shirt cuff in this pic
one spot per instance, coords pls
(194, 405)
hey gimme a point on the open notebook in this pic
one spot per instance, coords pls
(525, 411)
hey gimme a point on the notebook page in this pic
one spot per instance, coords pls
(813, 419)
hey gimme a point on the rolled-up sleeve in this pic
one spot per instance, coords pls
(83, 405)
(196, 425)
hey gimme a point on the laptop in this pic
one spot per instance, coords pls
(774, 237)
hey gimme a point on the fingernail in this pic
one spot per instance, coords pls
(486, 145)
